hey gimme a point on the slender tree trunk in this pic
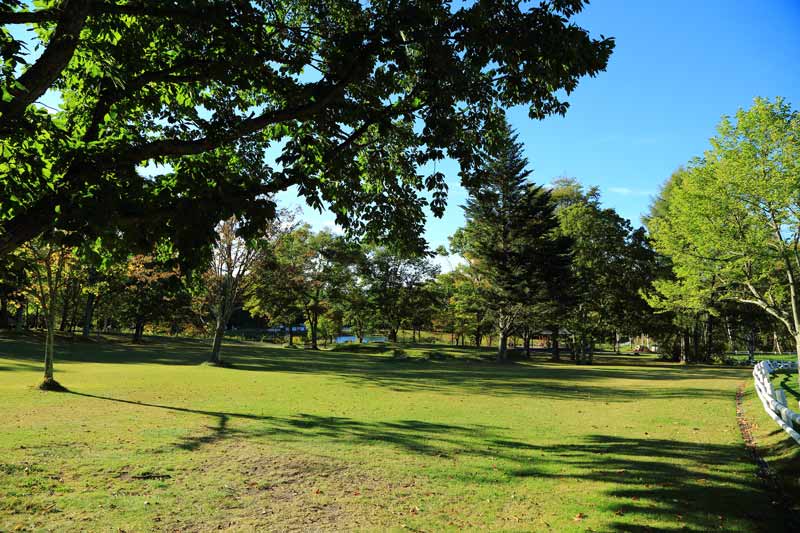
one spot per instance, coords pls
(65, 309)
(88, 314)
(20, 317)
(777, 342)
(554, 342)
(392, 334)
(797, 348)
(527, 341)
(684, 342)
(49, 350)
(751, 346)
(616, 342)
(312, 322)
(731, 344)
(710, 337)
(291, 339)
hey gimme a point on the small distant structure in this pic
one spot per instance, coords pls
(544, 337)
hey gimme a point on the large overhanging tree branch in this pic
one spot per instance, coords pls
(19, 93)
(346, 100)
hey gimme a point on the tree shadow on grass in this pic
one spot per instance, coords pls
(453, 376)
(788, 384)
(700, 486)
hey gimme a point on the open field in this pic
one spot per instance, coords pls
(149, 439)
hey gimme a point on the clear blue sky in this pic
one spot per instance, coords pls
(679, 65)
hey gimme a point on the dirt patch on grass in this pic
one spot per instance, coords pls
(259, 490)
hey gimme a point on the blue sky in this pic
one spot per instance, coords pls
(678, 67)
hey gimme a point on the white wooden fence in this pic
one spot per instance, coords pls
(774, 400)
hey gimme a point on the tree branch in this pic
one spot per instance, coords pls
(41, 75)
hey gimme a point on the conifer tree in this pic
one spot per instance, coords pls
(511, 237)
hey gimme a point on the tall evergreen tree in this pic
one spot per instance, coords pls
(511, 237)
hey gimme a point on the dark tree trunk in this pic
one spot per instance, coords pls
(527, 341)
(709, 337)
(65, 310)
(5, 321)
(20, 317)
(312, 322)
(554, 342)
(216, 347)
(88, 315)
(392, 335)
(138, 330)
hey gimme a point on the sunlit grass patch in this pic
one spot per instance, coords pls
(150, 438)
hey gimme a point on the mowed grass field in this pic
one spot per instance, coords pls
(150, 439)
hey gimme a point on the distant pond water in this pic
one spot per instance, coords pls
(353, 338)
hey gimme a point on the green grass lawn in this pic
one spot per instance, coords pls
(288, 439)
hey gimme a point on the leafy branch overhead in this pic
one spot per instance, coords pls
(228, 102)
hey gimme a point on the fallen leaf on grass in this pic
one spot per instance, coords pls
(578, 517)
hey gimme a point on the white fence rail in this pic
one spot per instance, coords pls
(774, 400)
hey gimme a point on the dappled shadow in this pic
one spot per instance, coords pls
(465, 370)
(117, 349)
(696, 484)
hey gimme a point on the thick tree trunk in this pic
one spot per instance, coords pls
(502, 346)
(138, 330)
(4, 316)
(616, 342)
(392, 334)
(216, 346)
(88, 314)
(527, 341)
(291, 337)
